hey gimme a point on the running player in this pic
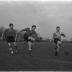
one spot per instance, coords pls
(30, 36)
(10, 36)
(57, 39)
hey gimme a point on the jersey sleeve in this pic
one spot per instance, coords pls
(15, 33)
(26, 29)
(5, 31)
(23, 29)
(54, 35)
(62, 34)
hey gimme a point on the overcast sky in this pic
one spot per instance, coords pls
(46, 15)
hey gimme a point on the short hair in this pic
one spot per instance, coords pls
(10, 24)
(33, 26)
(58, 27)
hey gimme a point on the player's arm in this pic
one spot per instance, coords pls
(62, 34)
(52, 38)
(15, 37)
(23, 30)
(16, 34)
(54, 35)
(37, 34)
(3, 35)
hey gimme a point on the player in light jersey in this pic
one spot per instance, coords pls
(10, 36)
(57, 39)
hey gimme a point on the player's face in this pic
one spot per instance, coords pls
(58, 29)
(33, 28)
(11, 27)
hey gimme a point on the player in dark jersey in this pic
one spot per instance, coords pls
(26, 33)
(10, 36)
(57, 39)
(30, 36)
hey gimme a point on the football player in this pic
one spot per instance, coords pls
(57, 39)
(10, 36)
(30, 36)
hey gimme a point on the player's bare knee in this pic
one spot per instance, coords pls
(14, 43)
(59, 42)
(9, 44)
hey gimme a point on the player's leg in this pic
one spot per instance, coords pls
(9, 44)
(15, 46)
(30, 47)
(30, 44)
(10, 48)
(56, 53)
(58, 47)
(55, 42)
(8, 39)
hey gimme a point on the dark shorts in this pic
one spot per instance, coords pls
(26, 38)
(56, 40)
(10, 39)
